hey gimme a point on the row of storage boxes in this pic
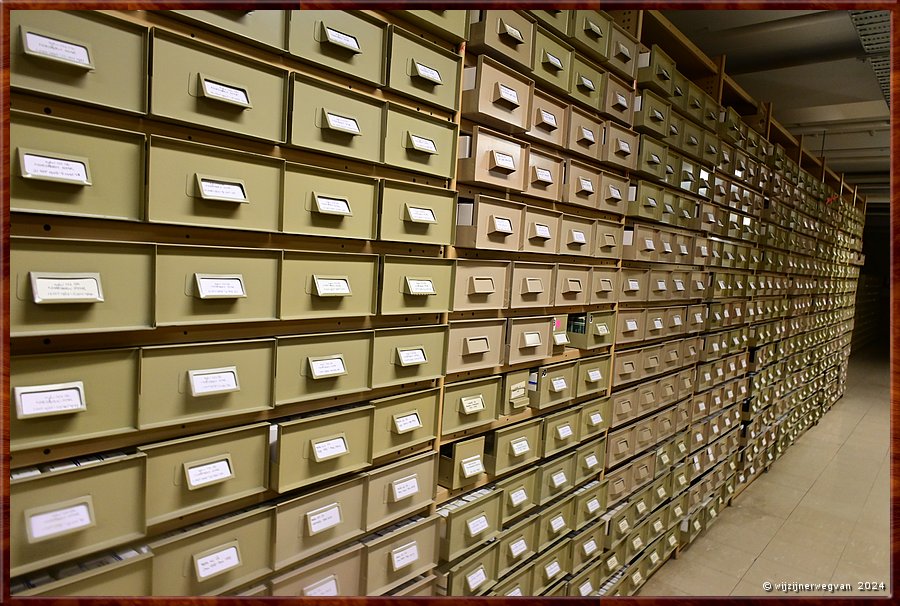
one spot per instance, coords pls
(505, 99)
(513, 447)
(718, 345)
(520, 503)
(515, 39)
(719, 221)
(66, 514)
(659, 163)
(734, 196)
(492, 159)
(633, 325)
(654, 116)
(71, 168)
(711, 374)
(63, 286)
(206, 85)
(739, 166)
(646, 362)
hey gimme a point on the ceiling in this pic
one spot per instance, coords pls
(824, 73)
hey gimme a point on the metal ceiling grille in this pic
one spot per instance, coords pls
(874, 30)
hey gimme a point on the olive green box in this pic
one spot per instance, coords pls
(513, 447)
(529, 339)
(316, 521)
(405, 421)
(497, 95)
(474, 575)
(322, 285)
(599, 331)
(193, 184)
(531, 285)
(557, 520)
(591, 460)
(207, 87)
(411, 285)
(470, 404)
(128, 577)
(560, 431)
(417, 213)
(321, 202)
(347, 42)
(102, 505)
(590, 505)
(423, 71)
(549, 567)
(490, 223)
(66, 286)
(555, 385)
(592, 376)
(520, 494)
(63, 398)
(266, 28)
(462, 463)
(506, 35)
(213, 285)
(556, 477)
(517, 544)
(187, 383)
(400, 489)
(321, 446)
(472, 523)
(407, 355)
(64, 167)
(552, 60)
(586, 82)
(595, 418)
(475, 345)
(417, 142)
(338, 573)
(214, 558)
(450, 24)
(590, 31)
(332, 120)
(81, 56)
(401, 555)
(188, 475)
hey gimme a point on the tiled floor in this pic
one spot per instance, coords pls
(820, 515)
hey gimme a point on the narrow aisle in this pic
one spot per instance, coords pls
(820, 515)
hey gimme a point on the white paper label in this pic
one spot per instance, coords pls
(59, 521)
(472, 404)
(420, 287)
(518, 496)
(333, 205)
(218, 562)
(517, 592)
(517, 548)
(564, 431)
(341, 38)
(405, 487)
(554, 60)
(520, 446)
(596, 419)
(578, 237)
(412, 356)
(677, 320)
(633, 285)
(594, 376)
(588, 134)
(325, 588)
(425, 215)
(221, 287)
(658, 323)
(57, 49)
(476, 579)
(423, 144)
(543, 175)
(585, 589)
(631, 325)
(548, 118)
(203, 383)
(55, 168)
(586, 185)
(65, 399)
(698, 318)
(504, 160)
(654, 558)
(602, 329)
(591, 461)
(222, 189)
(542, 231)
(211, 472)
(558, 479)
(328, 368)
(509, 94)
(472, 466)
(428, 73)
(552, 569)
(404, 556)
(408, 422)
(503, 225)
(324, 518)
(330, 448)
(477, 525)
(222, 91)
(64, 289)
(593, 505)
(559, 384)
(641, 507)
(623, 525)
(612, 562)
(587, 82)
